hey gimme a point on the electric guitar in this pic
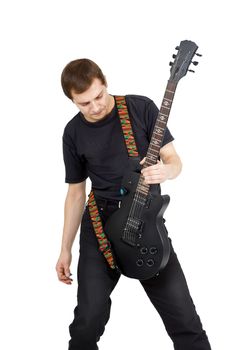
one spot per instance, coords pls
(136, 231)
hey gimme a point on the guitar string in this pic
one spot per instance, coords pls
(135, 210)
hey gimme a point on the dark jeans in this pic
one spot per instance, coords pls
(168, 293)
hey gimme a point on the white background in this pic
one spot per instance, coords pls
(132, 41)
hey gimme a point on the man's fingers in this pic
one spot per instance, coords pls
(65, 279)
(63, 273)
(67, 272)
(143, 161)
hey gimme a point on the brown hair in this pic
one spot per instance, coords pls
(78, 76)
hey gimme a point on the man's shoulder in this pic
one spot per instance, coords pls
(139, 99)
(139, 104)
(72, 123)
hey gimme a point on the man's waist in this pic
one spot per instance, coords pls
(109, 195)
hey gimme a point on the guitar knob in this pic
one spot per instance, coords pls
(153, 250)
(174, 56)
(171, 63)
(139, 262)
(150, 262)
(195, 63)
(144, 250)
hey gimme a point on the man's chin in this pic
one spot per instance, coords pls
(100, 115)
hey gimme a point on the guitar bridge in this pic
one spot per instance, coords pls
(129, 237)
(132, 231)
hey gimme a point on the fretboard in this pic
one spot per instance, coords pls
(158, 134)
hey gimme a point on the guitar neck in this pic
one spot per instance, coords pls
(179, 68)
(160, 125)
(158, 133)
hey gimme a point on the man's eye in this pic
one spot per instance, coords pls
(100, 96)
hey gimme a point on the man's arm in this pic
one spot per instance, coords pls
(73, 211)
(168, 168)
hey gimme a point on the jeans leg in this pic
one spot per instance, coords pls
(96, 281)
(170, 295)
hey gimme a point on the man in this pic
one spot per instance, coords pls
(93, 146)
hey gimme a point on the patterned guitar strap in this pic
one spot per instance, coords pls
(104, 244)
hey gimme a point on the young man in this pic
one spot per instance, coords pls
(93, 146)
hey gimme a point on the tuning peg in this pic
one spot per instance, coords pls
(171, 63)
(192, 71)
(195, 63)
(177, 48)
(198, 54)
(174, 56)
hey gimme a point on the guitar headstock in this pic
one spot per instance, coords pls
(183, 58)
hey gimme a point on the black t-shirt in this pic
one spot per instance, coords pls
(97, 149)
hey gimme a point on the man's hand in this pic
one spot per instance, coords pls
(63, 267)
(168, 168)
(155, 174)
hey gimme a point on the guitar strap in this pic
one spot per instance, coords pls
(104, 244)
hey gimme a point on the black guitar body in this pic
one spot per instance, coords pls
(143, 249)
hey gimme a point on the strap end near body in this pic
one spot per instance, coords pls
(104, 244)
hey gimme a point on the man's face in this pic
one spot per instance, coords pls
(95, 103)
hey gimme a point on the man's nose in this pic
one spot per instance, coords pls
(94, 107)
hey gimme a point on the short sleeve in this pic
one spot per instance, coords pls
(152, 114)
(75, 167)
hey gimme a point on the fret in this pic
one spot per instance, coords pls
(161, 124)
(142, 188)
(152, 160)
(158, 136)
(166, 107)
(155, 148)
(159, 128)
(149, 161)
(170, 91)
(162, 121)
(155, 143)
(162, 115)
(150, 157)
(157, 132)
(166, 103)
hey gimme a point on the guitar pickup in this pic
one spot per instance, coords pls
(135, 224)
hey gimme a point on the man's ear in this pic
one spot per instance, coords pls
(106, 84)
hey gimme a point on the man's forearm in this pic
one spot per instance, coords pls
(174, 167)
(73, 211)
